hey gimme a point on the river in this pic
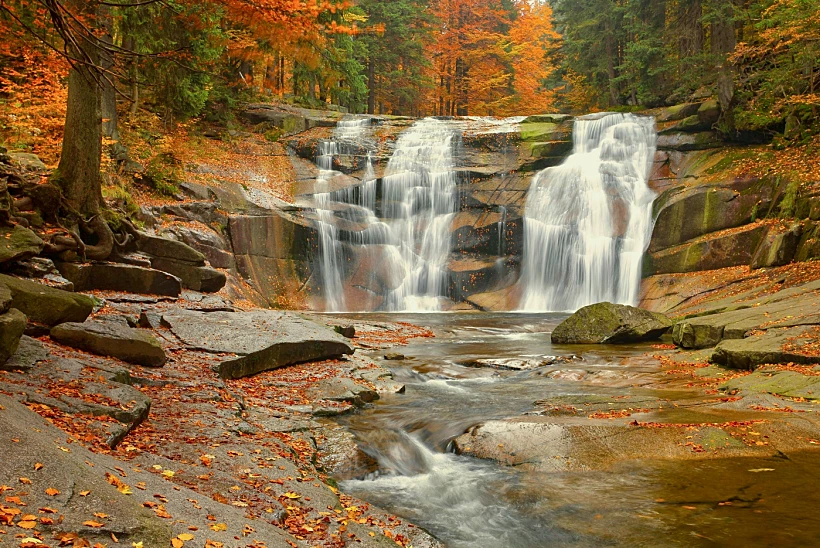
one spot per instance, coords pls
(464, 501)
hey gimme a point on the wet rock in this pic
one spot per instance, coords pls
(262, 340)
(12, 326)
(46, 305)
(120, 277)
(394, 356)
(677, 112)
(5, 299)
(611, 323)
(18, 243)
(773, 346)
(112, 339)
(517, 364)
(684, 142)
(790, 384)
(709, 113)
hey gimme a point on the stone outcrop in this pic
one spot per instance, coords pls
(610, 323)
(778, 345)
(45, 305)
(120, 277)
(112, 339)
(261, 340)
(182, 261)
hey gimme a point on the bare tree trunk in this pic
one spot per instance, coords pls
(109, 93)
(723, 43)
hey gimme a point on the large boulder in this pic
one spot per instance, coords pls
(196, 277)
(169, 249)
(45, 305)
(611, 323)
(120, 277)
(260, 340)
(12, 326)
(112, 339)
(18, 243)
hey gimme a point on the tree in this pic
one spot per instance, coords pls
(533, 39)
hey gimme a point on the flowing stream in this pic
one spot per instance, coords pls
(467, 502)
(588, 221)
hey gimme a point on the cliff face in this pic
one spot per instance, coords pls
(707, 217)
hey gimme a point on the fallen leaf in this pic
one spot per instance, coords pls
(219, 527)
(186, 536)
(85, 493)
(52, 492)
(292, 495)
(25, 481)
(92, 523)
(38, 466)
(177, 543)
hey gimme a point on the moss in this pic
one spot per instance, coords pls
(539, 131)
(787, 205)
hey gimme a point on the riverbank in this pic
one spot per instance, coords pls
(101, 451)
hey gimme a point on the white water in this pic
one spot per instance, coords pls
(418, 204)
(588, 221)
(420, 198)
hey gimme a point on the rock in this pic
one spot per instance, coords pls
(610, 323)
(710, 252)
(348, 331)
(5, 299)
(689, 141)
(773, 346)
(120, 277)
(709, 112)
(27, 160)
(12, 326)
(789, 308)
(46, 305)
(262, 339)
(341, 390)
(778, 247)
(394, 356)
(198, 278)
(684, 213)
(516, 364)
(112, 339)
(28, 354)
(18, 243)
(677, 112)
(169, 249)
(790, 384)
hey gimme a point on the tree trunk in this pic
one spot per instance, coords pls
(78, 173)
(723, 43)
(109, 92)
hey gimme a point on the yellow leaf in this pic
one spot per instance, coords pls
(27, 524)
(186, 536)
(176, 543)
(218, 527)
(168, 474)
(136, 544)
(31, 540)
(85, 493)
(292, 495)
(125, 490)
(52, 492)
(92, 523)
(38, 466)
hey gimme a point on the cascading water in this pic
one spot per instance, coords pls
(420, 198)
(589, 220)
(418, 203)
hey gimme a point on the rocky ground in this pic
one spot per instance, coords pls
(169, 442)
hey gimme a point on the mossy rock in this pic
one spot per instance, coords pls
(606, 323)
(17, 243)
(47, 305)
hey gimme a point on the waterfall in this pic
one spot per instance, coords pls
(418, 203)
(346, 134)
(588, 221)
(420, 198)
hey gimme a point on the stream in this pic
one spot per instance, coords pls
(466, 501)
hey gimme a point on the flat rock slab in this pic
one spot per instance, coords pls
(262, 339)
(12, 326)
(790, 308)
(120, 277)
(18, 243)
(604, 323)
(774, 346)
(790, 384)
(517, 364)
(112, 339)
(45, 305)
